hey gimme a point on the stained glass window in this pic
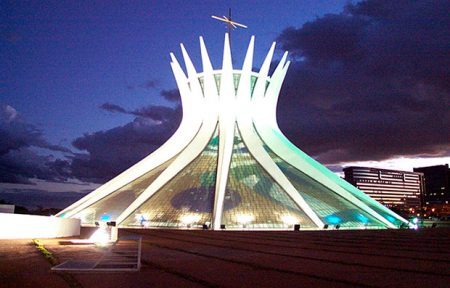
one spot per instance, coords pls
(332, 208)
(110, 207)
(187, 200)
(253, 199)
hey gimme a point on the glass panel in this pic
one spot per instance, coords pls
(187, 200)
(253, 84)
(236, 78)
(388, 217)
(327, 204)
(111, 206)
(253, 199)
(217, 79)
(202, 84)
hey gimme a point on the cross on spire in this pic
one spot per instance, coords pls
(229, 21)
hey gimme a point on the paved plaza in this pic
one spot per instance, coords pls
(196, 258)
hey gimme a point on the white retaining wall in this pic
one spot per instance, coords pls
(20, 226)
(6, 208)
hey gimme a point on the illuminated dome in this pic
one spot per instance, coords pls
(229, 166)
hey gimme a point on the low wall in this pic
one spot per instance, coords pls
(20, 226)
(6, 208)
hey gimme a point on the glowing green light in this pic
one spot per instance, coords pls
(333, 219)
(362, 218)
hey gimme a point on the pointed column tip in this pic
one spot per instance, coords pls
(247, 66)
(172, 57)
(287, 64)
(202, 42)
(227, 38)
(273, 45)
(282, 62)
(207, 66)
(252, 41)
(226, 61)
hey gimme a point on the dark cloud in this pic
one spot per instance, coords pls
(21, 165)
(154, 112)
(15, 133)
(332, 37)
(19, 162)
(105, 153)
(157, 113)
(370, 83)
(34, 198)
(171, 95)
(112, 108)
(111, 152)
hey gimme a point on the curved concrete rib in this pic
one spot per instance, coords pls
(270, 133)
(187, 155)
(245, 124)
(227, 100)
(181, 138)
(208, 106)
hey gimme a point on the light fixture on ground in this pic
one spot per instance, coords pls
(229, 158)
(104, 235)
(289, 220)
(189, 220)
(244, 219)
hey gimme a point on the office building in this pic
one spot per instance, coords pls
(395, 189)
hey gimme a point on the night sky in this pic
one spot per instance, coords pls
(86, 89)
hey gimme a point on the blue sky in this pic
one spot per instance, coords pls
(368, 82)
(65, 58)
